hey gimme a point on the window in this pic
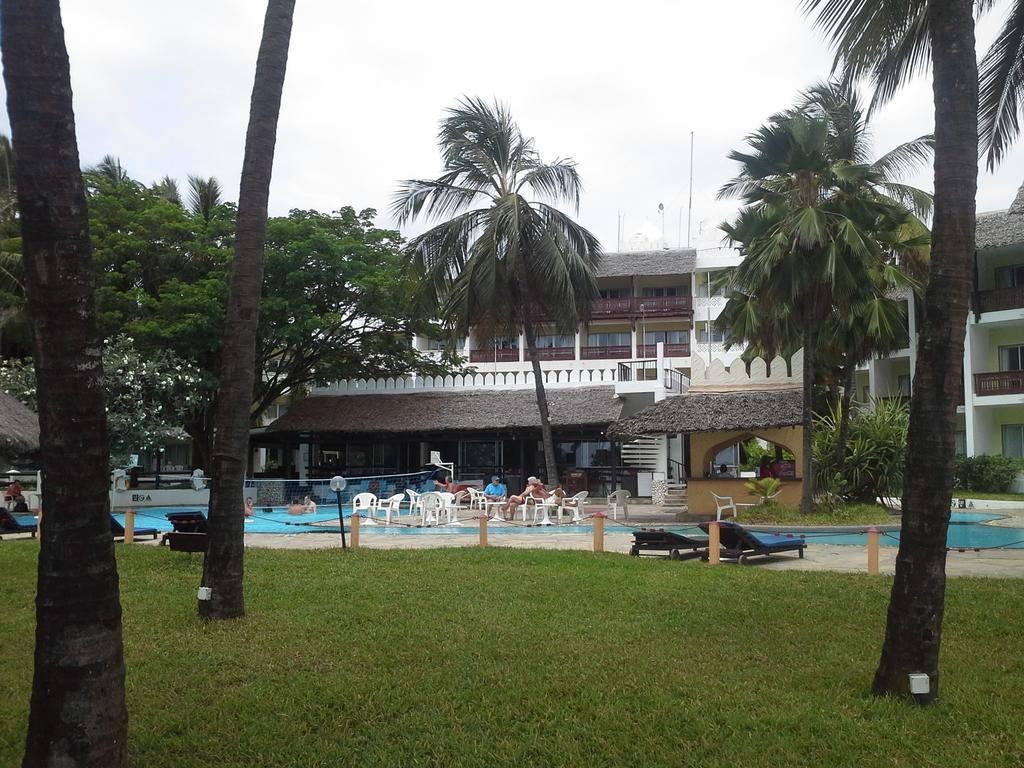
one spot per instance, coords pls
(961, 443)
(669, 291)
(436, 345)
(1013, 440)
(1009, 277)
(667, 337)
(609, 340)
(716, 280)
(903, 384)
(479, 454)
(613, 293)
(549, 341)
(503, 342)
(717, 335)
(1011, 358)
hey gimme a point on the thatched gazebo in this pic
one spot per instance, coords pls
(19, 429)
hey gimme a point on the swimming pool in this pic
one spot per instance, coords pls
(967, 530)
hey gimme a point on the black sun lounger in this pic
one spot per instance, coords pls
(189, 534)
(739, 544)
(118, 530)
(10, 523)
(659, 540)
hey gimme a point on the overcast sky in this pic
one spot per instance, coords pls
(617, 86)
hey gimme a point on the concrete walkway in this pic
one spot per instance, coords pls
(817, 557)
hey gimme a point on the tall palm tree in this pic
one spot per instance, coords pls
(204, 195)
(167, 189)
(890, 41)
(223, 564)
(77, 714)
(502, 260)
(808, 237)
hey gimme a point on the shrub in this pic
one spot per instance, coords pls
(990, 474)
(763, 487)
(875, 451)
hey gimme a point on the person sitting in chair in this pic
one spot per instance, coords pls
(724, 471)
(495, 490)
(563, 497)
(534, 490)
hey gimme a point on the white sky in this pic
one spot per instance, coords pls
(616, 86)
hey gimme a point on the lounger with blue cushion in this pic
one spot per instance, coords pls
(189, 534)
(740, 544)
(118, 530)
(660, 540)
(11, 523)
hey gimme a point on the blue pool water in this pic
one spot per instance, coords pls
(967, 529)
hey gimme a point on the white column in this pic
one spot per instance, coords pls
(874, 374)
(522, 347)
(973, 424)
(576, 354)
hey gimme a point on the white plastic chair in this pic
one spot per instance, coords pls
(724, 504)
(365, 502)
(198, 480)
(619, 500)
(575, 503)
(477, 499)
(431, 504)
(546, 506)
(415, 505)
(391, 506)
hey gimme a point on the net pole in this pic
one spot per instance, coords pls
(341, 519)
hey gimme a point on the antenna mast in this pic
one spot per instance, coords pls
(689, 207)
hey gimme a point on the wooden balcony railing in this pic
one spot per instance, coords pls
(671, 350)
(605, 352)
(1001, 298)
(492, 355)
(653, 306)
(1001, 383)
(556, 353)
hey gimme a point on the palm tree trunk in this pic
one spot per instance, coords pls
(77, 714)
(844, 413)
(223, 564)
(913, 630)
(807, 470)
(542, 405)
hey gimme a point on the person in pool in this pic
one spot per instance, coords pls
(249, 504)
(309, 506)
(295, 508)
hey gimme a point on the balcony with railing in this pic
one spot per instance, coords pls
(555, 353)
(492, 355)
(999, 299)
(611, 352)
(1000, 383)
(671, 350)
(629, 307)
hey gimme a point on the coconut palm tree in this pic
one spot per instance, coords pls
(891, 41)
(167, 189)
(500, 260)
(808, 236)
(77, 714)
(204, 195)
(223, 564)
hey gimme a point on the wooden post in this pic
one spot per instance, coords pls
(873, 543)
(129, 526)
(354, 538)
(599, 531)
(483, 530)
(714, 542)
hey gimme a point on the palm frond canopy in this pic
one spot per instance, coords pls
(501, 244)
(204, 195)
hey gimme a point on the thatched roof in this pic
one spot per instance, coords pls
(714, 412)
(668, 261)
(19, 428)
(1001, 228)
(451, 411)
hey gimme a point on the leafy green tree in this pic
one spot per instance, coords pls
(146, 397)
(500, 260)
(891, 41)
(811, 243)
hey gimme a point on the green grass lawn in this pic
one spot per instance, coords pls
(848, 514)
(526, 658)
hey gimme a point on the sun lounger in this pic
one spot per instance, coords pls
(740, 544)
(10, 523)
(118, 530)
(658, 540)
(189, 534)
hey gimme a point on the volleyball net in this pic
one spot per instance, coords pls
(277, 493)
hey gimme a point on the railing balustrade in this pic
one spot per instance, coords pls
(671, 350)
(999, 383)
(555, 353)
(605, 352)
(998, 299)
(507, 355)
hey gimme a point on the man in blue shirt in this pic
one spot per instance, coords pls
(496, 490)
